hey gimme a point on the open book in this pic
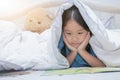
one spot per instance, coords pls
(83, 70)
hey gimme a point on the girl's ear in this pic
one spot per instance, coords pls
(91, 34)
(63, 32)
(63, 35)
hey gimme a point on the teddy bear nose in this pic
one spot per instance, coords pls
(39, 22)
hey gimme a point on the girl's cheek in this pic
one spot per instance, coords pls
(81, 39)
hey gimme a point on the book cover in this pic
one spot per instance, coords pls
(83, 70)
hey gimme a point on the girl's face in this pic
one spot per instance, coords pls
(74, 33)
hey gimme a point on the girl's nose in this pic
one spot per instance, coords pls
(74, 38)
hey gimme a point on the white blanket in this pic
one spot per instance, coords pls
(105, 42)
(21, 50)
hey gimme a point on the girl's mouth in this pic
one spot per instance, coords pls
(75, 45)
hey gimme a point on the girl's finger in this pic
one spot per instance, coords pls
(87, 38)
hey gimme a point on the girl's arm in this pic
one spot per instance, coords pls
(73, 51)
(91, 60)
(71, 57)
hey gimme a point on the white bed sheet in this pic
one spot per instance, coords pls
(36, 76)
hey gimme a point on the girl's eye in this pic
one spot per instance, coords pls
(69, 33)
(80, 32)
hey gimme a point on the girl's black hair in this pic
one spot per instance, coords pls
(73, 13)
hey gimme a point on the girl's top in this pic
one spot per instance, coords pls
(78, 61)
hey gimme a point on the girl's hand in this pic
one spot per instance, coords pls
(83, 45)
(72, 49)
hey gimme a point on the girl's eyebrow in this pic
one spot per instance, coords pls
(70, 30)
(81, 30)
(66, 30)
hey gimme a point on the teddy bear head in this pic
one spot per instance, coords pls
(37, 20)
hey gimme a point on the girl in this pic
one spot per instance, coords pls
(74, 40)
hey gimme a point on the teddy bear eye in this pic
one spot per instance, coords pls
(30, 20)
(39, 22)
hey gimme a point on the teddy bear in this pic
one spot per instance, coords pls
(37, 20)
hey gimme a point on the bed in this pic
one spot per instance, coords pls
(112, 17)
(64, 74)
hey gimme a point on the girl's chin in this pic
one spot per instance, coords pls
(76, 47)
